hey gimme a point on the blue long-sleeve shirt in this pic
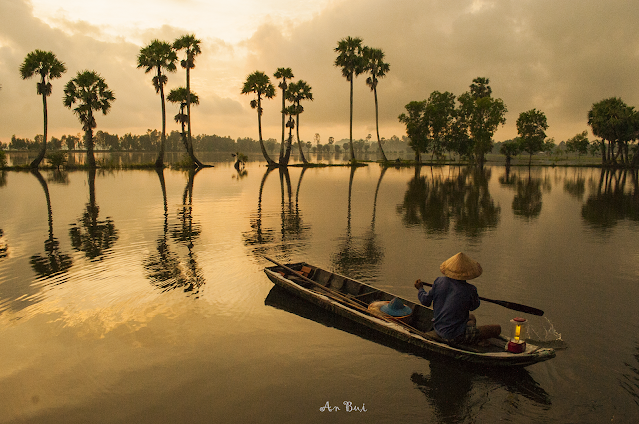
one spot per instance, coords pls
(452, 300)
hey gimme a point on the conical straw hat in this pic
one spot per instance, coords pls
(460, 267)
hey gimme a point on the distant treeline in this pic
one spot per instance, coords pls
(204, 143)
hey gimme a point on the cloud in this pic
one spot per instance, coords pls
(137, 106)
(558, 57)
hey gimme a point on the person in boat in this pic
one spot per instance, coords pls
(453, 298)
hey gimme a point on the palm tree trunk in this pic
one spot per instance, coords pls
(283, 123)
(88, 141)
(269, 161)
(188, 109)
(287, 153)
(351, 122)
(299, 142)
(159, 163)
(43, 150)
(377, 125)
(196, 162)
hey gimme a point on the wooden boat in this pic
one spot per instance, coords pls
(359, 302)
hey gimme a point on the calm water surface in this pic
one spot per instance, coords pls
(129, 296)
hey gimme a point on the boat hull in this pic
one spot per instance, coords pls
(337, 287)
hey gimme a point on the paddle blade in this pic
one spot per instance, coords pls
(515, 306)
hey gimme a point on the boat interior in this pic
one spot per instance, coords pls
(360, 296)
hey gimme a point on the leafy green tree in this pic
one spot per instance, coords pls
(510, 148)
(158, 56)
(616, 122)
(549, 146)
(532, 126)
(91, 93)
(295, 93)
(57, 159)
(482, 114)
(260, 84)
(284, 74)
(374, 64)
(578, 144)
(416, 127)
(440, 116)
(350, 59)
(191, 47)
(182, 96)
(48, 67)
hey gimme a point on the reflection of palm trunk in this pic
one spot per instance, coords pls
(259, 207)
(284, 175)
(299, 183)
(160, 172)
(45, 187)
(379, 182)
(55, 260)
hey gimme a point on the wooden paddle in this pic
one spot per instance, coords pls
(510, 305)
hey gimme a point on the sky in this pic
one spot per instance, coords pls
(557, 56)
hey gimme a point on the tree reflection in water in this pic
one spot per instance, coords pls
(165, 269)
(53, 261)
(359, 257)
(59, 177)
(527, 202)
(261, 238)
(629, 380)
(463, 199)
(4, 248)
(614, 199)
(576, 187)
(91, 235)
(293, 229)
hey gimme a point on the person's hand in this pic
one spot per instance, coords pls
(419, 284)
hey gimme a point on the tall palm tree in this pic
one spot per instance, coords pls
(49, 67)
(191, 46)
(89, 90)
(350, 59)
(180, 95)
(296, 92)
(260, 84)
(159, 55)
(374, 64)
(283, 73)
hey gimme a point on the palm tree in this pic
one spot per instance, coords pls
(260, 84)
(296, 92)
(180, 95)
(159, 55)
(89, 90)
(374, 64)
(283, 73)
(47, 66)
(191, 46)
(350, 59)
